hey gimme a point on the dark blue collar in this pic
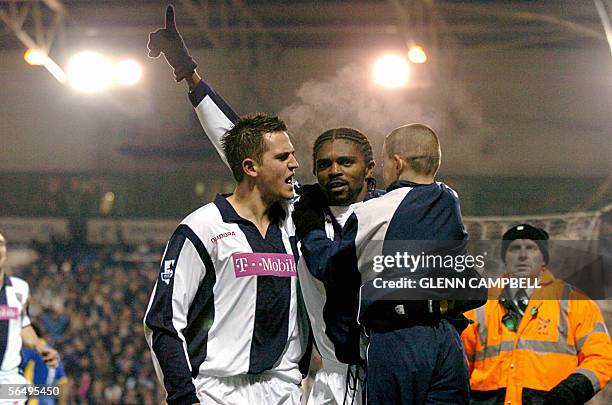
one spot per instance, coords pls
(229, 214)
(404, 183)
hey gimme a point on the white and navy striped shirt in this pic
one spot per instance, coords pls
(13, 318)
(226, 301)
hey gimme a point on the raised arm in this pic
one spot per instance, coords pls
(215, 115)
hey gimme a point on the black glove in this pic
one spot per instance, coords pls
(169, 42)
(574, 390)
(309, 211)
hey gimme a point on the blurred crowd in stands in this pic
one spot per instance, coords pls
(90, 301)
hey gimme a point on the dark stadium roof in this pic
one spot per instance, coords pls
(336, 23)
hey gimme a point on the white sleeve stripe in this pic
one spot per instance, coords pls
(215, 123)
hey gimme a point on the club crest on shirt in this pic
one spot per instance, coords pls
(168, 272)
(7, 312)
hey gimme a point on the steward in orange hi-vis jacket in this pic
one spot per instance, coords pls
(547, 346)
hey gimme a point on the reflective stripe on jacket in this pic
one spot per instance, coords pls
(561, 336)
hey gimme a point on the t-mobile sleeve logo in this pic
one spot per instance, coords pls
(7, 313)
(264, 264)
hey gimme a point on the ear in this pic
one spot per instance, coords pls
(398, 164)
(249, 167)
(369, 172)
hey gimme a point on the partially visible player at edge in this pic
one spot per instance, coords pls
(36, 371)
(16, 328)
(343, 163)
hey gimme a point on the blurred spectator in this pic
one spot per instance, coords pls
(92, 302)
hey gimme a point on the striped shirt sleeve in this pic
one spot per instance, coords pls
(182, 270)
(329, 260)
(215, 115)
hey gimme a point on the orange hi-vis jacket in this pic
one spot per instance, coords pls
(561, 336)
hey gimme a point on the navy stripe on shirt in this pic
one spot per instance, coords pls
(4, 325)
(202, 90)
(167, 344)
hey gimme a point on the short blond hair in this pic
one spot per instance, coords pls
(418, 145)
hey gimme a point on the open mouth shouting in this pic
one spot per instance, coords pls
(289, 180)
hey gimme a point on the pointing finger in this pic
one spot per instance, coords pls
(170, 22)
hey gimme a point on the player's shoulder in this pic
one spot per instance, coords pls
(21, 288)
(449, 198)
(19, 283)
(445, 187)
(385, 199)
(203, 215)
(377, 210)
(203, 223)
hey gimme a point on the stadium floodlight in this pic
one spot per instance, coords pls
(416, 54)
(90, 72)
(35, 57)
(127, 72)
(392, 71)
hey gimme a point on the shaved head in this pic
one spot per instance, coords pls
(418, 145)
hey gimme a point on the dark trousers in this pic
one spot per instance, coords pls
(419, 364)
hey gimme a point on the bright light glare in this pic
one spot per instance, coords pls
(416, 54)
(35, 57)
(128, 72)
(391, 71)
(90, 72)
